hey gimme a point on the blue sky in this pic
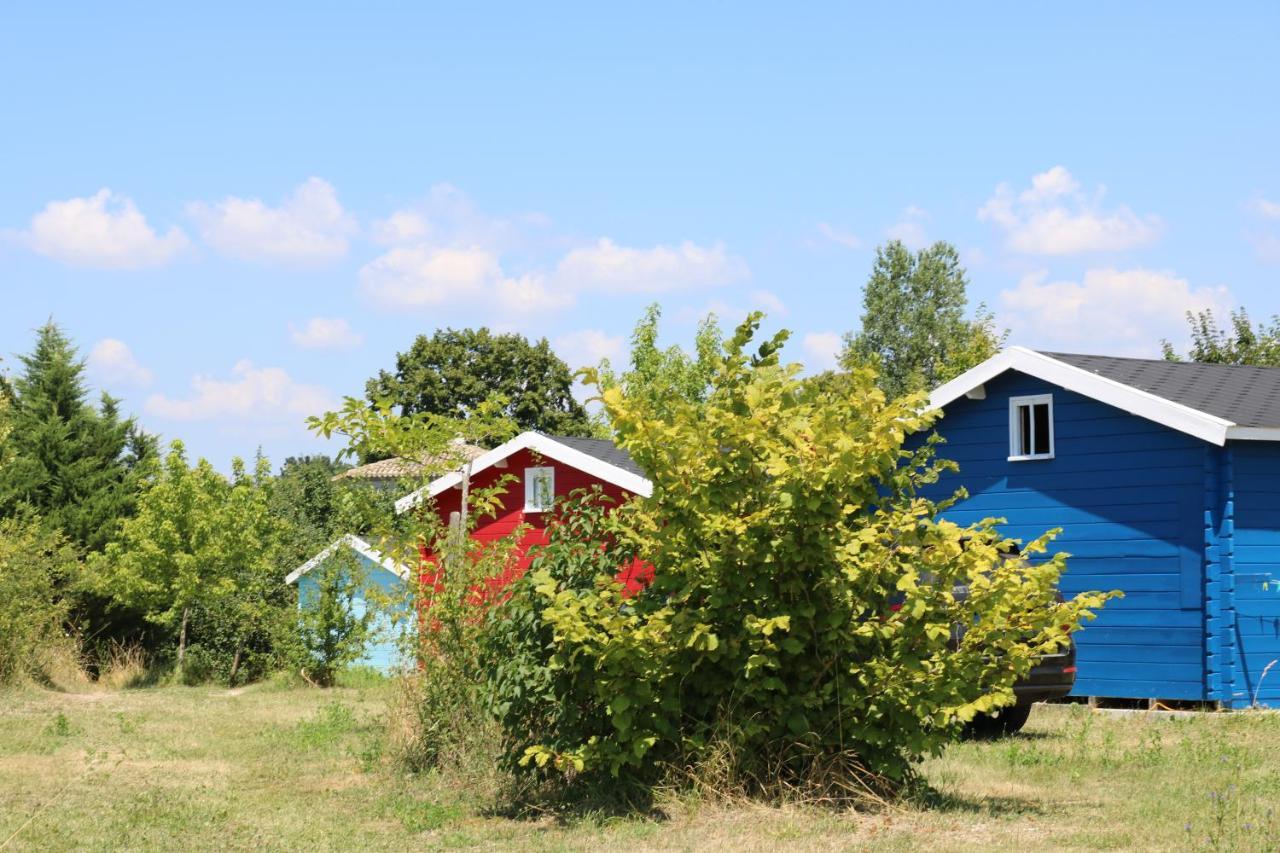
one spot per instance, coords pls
(241, 214)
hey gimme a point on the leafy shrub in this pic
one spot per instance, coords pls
(800, 618)
(536, 703)
(34, 564)
(333, 617)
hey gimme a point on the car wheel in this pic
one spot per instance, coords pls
(990, 726)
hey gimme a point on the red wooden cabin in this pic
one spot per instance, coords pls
(543, 468)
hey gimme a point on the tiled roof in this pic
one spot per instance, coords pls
(397, 467)
(1243, 394)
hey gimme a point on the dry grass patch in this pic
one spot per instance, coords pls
(276, 768)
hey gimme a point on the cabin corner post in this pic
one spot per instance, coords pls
(1219, 539)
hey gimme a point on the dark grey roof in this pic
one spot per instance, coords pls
(602, 449)
(1245, 395)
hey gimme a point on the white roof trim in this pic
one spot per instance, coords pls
(356, 544)
(545, 446)
(1240, 433)
(1176, 416)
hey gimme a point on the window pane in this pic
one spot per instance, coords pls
(1024, 430)
(1041, 431)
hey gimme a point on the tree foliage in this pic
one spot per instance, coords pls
(455, 370)
(1242, 343)
(199, 542)
(784, 527)
(77, 466)
(35, 563)
(663, 376)
(914, 329)
(333, 618)
(447, 592)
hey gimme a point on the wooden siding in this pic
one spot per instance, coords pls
(1130, 497)
(1251, 592)
(383, 649)
(511, 515)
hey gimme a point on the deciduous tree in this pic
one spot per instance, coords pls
(914, 329)
(1242, 343)
(176, 553)
(455, 370)
(667, 375)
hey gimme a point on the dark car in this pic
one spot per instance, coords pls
(1052, 678)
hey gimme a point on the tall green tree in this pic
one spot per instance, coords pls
(174, 556)
(1241, 343)
(915, 332)
(455, 370)
(665, 376)
(253, 538)
(316, 508)
(75, 465)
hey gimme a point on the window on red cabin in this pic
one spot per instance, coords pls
(539, 489)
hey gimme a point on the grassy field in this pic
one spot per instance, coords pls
(275, 767)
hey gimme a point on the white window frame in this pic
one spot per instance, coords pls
(531, 478)
(1015, 446)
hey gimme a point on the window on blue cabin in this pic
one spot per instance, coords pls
(1031, 427)
(539, 489)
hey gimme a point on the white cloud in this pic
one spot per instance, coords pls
(112, 361)
(421, 277)
(839, 236)
(1055, 217)
(822, 349)
(103, 231)
(1109, 310)
(609, 268)
(401, 227)
(768, 303)
(1265, 208)
(258, 394)
(530, 294)
(586, 348)
(909, 228)
(310, 227)
(731, 313)
(447, 216)
(329, 333)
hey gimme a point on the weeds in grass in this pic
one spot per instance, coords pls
(419, 815)
(124, 665)
(323, 731)
(1234, 822)
(59, 726)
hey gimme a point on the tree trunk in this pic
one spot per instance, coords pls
(235, 662)
(182, 638)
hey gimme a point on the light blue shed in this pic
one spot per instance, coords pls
(382, 591)
(1165, 480)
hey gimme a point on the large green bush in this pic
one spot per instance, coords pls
(786, 525)
(34, 563)
(536, 704)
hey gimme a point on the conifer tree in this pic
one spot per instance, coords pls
(73, 464)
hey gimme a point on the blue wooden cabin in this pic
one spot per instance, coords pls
(381, 591)
(1165, 480)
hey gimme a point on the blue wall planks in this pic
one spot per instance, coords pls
(1130, 498)
(381, 588)
(1253, 641)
